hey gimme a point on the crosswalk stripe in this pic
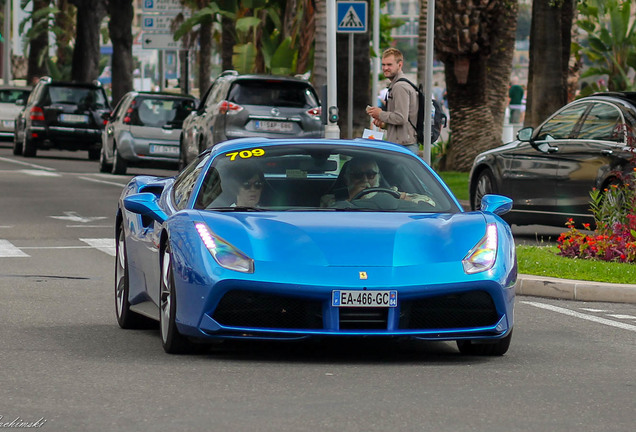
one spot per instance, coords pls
(106, 245)
(7, 250)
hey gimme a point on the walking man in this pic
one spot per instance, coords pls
(401, 105)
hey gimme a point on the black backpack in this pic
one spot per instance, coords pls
(439, 118)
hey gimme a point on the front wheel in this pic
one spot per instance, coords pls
(498, 348)
(104, 166)
(17, 145)
(29, 148)
(173, 342)
(119, 163)
(484, 185)
(126, 318)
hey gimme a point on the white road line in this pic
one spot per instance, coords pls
(619, 316)
(7, 250)
(40, 173)
(594, 310)
(40, 167)
(103, 182)
(581, 316)
(106, 245)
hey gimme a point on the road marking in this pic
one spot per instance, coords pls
(40, 167)
(595, 310)
(106, 245)
(40, 173)
(619, 316)
(75, 217)
(581, 316)
(7, 250)
(103, 181)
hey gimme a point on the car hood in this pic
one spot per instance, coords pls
(350, 239)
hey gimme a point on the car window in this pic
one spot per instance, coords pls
(185, 181)
(273, 93)
(313, 177)
(158, 112)
(90, 97)
(561, 125)
(13, 95)
(602, 123)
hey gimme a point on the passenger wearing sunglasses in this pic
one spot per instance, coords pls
(250, 183)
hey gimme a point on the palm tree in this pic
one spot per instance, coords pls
(38, 41)
(475, 40)
(120, 30)
(550, 38)
(86, 54)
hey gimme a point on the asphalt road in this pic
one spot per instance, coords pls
(66, 366)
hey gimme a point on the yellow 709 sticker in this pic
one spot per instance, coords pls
(246, 154)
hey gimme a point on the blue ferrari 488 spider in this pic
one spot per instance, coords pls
(291, 239)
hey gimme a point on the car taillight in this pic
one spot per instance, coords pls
(315, 111)
(229, 108)
(127, 119)
(36, 113)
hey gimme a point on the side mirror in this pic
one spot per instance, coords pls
(145, 204)
(106, 116)
(496, 204)
(525, 134)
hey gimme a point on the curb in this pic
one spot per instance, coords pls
(569, 289)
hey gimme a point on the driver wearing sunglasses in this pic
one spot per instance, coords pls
(250, 185)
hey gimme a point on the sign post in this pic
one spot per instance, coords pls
(351, 18)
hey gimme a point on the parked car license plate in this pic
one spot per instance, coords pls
(350, 298)
(274, 126)
(164, 149)
(73, 118)
(8, 123)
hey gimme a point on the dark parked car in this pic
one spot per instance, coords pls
(240, 106)
(12, 99)
(144, 130)
(61, 115)
(549, 171)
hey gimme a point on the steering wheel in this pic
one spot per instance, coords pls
(367, 191)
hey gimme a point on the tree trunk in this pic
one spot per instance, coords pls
(320, 50)
(64, 20)
(120, 30)
(86, 54)
(38, 48)
(549, 59)
(205, 56)
(306, 37)
(227, 43)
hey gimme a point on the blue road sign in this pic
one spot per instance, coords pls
(351, 16)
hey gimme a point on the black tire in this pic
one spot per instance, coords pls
(104, 166)
(484, 185)
(126, 318)
(29, 148)
(119, 164)
(17, 145)
(172, 341)
(93, 153)
(498, 348)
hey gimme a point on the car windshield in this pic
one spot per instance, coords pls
(320, 177)
(13, 95)
(158, 112)
(277, 93)
(89, 97)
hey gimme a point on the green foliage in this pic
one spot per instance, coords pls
(457, 183)
(610, 46)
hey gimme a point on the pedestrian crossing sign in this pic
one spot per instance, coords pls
(351, 16)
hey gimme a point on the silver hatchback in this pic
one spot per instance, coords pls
(144, 130)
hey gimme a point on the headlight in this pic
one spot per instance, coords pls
(224, 254)
(482, 257)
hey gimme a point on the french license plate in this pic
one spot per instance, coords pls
(350, 298)
(164, 149)
(274, 126)
(73, 118)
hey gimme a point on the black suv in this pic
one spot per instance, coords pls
(61, 115)
(241, 106)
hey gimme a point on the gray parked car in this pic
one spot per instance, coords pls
(240, 106)
(144, 130)
(12, 98)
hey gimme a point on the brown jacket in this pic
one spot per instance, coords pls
(401, 106)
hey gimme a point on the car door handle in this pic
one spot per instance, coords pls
(607, 152)
(553, 149)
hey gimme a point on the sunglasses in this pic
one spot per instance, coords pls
(370, 175)
(252, 185)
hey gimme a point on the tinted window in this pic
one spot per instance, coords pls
(602, 123)
(90, 97)
(273, 93)
(11, 95)
(561, 126)
(157, 112)
(186, 180)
